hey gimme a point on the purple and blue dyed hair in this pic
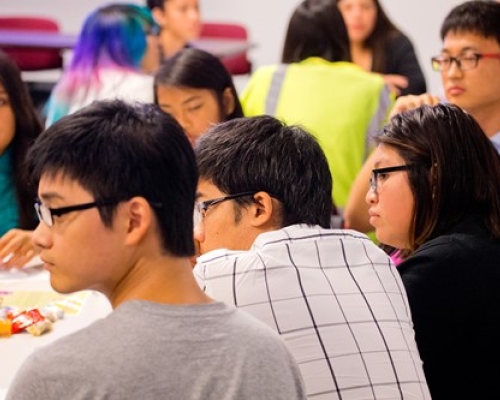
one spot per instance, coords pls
(112, 37)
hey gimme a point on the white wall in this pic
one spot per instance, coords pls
(266, 21)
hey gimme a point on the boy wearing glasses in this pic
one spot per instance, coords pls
(469, 64)
(116, 187)
(264, 203)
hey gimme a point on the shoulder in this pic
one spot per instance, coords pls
(50, 370)
(399, 42)
(457, 255)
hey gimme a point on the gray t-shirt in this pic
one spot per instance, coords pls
(146, 350)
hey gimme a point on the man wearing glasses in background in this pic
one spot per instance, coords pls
(117, 188)
(264, 199)
(469, 64)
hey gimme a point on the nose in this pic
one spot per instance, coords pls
(454, 70)
(184, 121)
(199, 233)
(42, 236)
(371, 196)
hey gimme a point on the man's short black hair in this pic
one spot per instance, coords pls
(117, 151)
(263, 154)
(478, 17)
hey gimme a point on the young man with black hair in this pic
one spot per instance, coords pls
(116, 187)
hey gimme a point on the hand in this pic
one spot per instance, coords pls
(396, 83)
(18, 244)
(405, 103)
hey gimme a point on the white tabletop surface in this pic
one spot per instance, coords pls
(15, 349)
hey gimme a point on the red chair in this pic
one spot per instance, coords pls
(32, 59)
(238, 64)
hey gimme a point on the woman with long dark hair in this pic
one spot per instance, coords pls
(19, 126)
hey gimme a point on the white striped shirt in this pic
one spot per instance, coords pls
(336, 300)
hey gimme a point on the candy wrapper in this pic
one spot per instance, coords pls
(39, 328)
(26, 318)
(52, 313)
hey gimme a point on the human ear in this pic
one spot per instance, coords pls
(140, 217)
(158, 15)
(262, 211)
(228, 101)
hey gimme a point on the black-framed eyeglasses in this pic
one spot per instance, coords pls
(46, 214)
(379, 174)
(202, 207)
(464, 62)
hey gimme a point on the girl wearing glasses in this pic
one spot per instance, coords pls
(19, 126)
(435, 193)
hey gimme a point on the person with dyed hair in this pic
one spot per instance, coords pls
(195, 87)
(107, 61)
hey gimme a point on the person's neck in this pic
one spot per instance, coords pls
(170, 44)
(162, 279)
(361, 55)
(488, 118)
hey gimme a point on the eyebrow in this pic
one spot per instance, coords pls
(468, 48)
(48, 196)
(190, 99)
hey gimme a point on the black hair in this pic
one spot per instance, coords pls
(479, 17)
(194, 68)
(316, 29)
(117, 151)
(262, 154)
(155, 3)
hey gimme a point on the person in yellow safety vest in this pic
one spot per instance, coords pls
(317, 86)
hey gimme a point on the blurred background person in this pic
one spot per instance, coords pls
(179, 22)
(197, 90)
(19, 126)
(378, 46)
(318, 87)
(106, 63)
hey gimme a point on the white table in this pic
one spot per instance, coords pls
(15, 349)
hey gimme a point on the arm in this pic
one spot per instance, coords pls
(18, 243)
(402, 61)
(356, 209)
